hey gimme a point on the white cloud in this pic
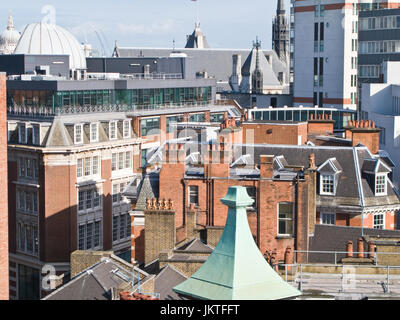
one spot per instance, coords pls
(154, 28)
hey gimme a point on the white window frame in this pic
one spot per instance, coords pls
(383, 220)
(321, 188)
(115, 136)
(278, 219)
(36, 128)
(189, 193)
(78, 141)
(127, 134)
(384, 192)
(95, 126)
(22, 136)
(327, 213)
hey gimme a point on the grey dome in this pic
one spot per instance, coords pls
(43, 38)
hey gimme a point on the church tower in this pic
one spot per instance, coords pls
(280, 33)
(257, 76)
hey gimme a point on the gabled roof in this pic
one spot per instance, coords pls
(168, 278)
(280, 162)
(197, 39)
(196, 245)
(374, 166)
(94, 283)
(330, 166)
(269, 78)
(148, 189)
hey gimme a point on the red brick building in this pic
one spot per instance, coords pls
(332, 180)
(66, 175)
(4, 273)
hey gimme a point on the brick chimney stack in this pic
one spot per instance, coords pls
(160, 228)
(321, 124)
(217, 161)
(266, 166)
(364, 132)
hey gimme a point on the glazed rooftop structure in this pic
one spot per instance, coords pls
(49, 94)
(49, 74)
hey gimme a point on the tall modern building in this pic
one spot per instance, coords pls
(339, 43)
(379, 41)
(325, 53)
(280, 32)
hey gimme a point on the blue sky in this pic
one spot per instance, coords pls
(152, 23)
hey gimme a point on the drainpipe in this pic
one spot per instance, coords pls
(362, 222)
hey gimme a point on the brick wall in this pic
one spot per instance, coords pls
(59, 216)
(4, 280)
(160, 233)
(275, 133)
(81, 260)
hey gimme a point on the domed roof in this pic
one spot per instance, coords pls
(43, 38)
(9, 38)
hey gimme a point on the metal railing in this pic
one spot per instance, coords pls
(152, 76)
(47, 111)
(354, 281)
(336, 255)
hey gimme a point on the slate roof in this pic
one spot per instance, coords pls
(168, 278)
(352, 183)
(148, 189)
(334, 238)
(197, 39)
(217, 62)
(95, 283)
(196, 245)
(354, 189)
(249, 66)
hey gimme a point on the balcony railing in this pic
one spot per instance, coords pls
(152, 76)
(47, 111)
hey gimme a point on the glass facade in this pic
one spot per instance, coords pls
(133, 99)
(341, 117)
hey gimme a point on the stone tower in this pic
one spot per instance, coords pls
(257, 76)
(280, 32)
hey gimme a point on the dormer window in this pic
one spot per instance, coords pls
(78, 134)
(127, 129)
(380, 184)
(376, 173)
(329, 173)
(35, 134)
(327, 184)
(22, 133)
(113, 130)
(94, 132)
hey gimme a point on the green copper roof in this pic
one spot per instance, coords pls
(236, 269)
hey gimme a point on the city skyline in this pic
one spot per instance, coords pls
(148, 27)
